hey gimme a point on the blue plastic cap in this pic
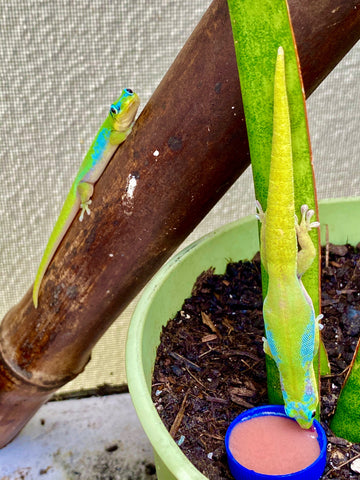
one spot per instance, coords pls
(239, 472)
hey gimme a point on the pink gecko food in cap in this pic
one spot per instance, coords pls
(263, 443)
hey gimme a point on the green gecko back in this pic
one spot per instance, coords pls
(292, 331)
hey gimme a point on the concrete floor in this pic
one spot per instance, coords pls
(97, 438)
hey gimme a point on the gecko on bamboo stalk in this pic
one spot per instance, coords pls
(112, 133)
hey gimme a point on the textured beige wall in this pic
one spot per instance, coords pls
(62, 64)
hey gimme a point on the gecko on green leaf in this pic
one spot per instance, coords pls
(292, 331)
(112, 133)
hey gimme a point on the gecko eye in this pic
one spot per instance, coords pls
(113, 110)
(313, 414)
(129, 91)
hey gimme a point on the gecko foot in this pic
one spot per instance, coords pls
(305, 225)
(266, 347)
(318, 319)
(260, 215)
(84, 208)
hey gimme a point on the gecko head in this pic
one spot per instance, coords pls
(301, 402)
(303, 413)
(123, 111)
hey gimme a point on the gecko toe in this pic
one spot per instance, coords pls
(304, 208)
(260, 212)
(309, 214)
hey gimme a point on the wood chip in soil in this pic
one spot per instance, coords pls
(210, 365)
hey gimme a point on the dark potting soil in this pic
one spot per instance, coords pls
(210, 364)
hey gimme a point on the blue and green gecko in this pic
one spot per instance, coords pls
(112, 133)
(292, 331)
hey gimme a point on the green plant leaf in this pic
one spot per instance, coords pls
(259, 28)
(346, 421)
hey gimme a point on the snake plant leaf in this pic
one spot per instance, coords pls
(346, 420)
(259, 28)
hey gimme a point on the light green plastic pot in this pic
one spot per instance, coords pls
(164, 296)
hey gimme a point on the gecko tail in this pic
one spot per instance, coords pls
(66, 217)
(35, 295)
(47, 257)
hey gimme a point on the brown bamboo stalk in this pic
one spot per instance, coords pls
(195, 121)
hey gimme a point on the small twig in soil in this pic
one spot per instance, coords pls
(240, 401)
(232, 353)
(208, 322)
(179, 416)
(187, 362)
(237, 394)
(345, 291)
(196, 379)
(208, 351)
(215, 437)
(331, 375)
(216, 400)
(245, 363)
(250, 368)
(209, 338)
